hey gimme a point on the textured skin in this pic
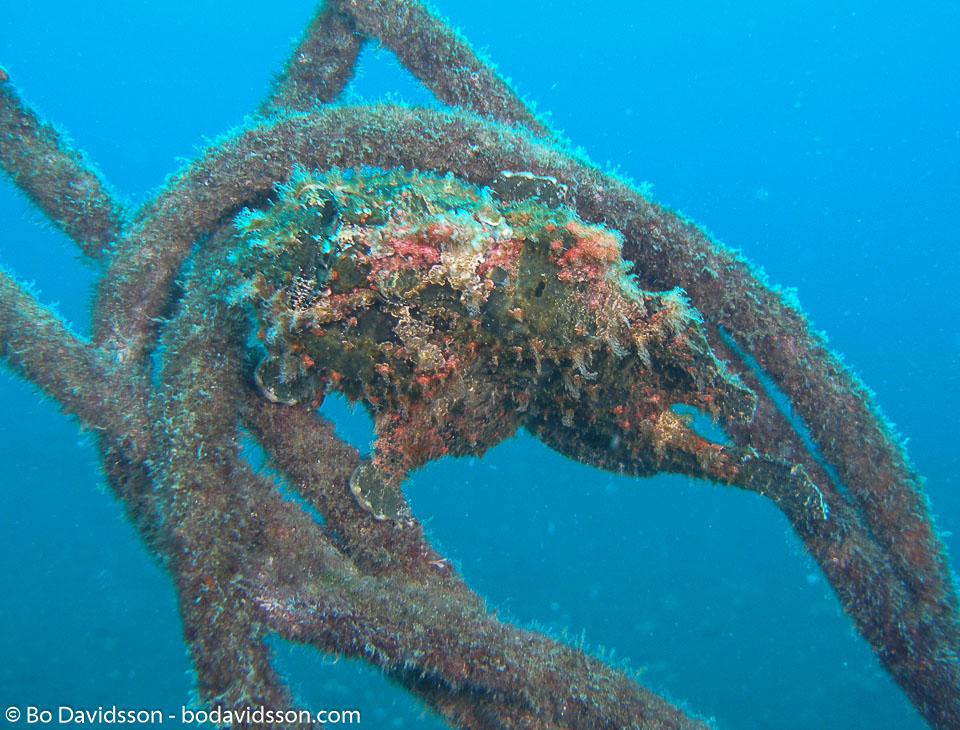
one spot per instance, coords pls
(456, 318)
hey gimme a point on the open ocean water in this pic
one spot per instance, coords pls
(821, 138)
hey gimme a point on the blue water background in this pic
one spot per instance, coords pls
(821, 138)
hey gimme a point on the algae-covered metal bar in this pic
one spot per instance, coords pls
(55, 176)
(320, 65)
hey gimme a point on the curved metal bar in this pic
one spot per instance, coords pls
(319, 66)
(55, 176)
(442, 60)
(36, 343)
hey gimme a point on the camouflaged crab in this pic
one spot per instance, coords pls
(457, 318)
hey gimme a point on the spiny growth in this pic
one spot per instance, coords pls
(456, 318)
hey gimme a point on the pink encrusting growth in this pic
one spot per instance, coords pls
(590, 257)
